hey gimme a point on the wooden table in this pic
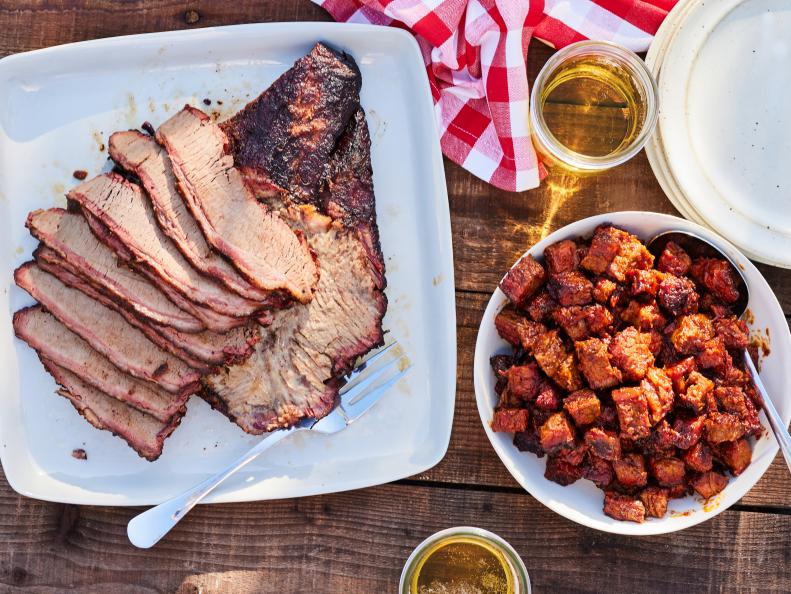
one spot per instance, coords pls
(357, 542)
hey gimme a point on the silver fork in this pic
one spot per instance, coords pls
(357, 397)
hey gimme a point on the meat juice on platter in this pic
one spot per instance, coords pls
(626, 370)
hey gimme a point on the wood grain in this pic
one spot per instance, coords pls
(358, 541)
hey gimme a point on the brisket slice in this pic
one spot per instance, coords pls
(49, 262)
(55, 342)
(68, 234)
(201, 350)
(127, 214)
(144, 434)
(140, 155)
(107, 331)
(284, 137)
(208, 317)
(254, 239)
(292, 373)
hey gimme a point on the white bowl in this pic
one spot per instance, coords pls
(582, 501)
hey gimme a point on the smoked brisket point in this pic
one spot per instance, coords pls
(282, 140)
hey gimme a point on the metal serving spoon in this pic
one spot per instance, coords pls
(696, 247)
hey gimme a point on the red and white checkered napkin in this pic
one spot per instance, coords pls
(475, 53)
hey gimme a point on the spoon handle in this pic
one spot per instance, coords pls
(775, 422)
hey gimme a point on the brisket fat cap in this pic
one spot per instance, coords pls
(282, 140)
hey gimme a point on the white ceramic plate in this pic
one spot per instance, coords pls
(582, 501)
(723, 138)
(60, 104)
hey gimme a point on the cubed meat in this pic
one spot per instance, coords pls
(603, 443)
(732, 399)
(668, 471)
(556, 433)
(736, 455)
(516, 329)
(583, 406)
(733, 332)
(573, 455)
(631, 353)
(623, 507)
(598, 471)
(644, 282)
(603, 289)
(541, 306)
(632, 409)
(718, 277)
(712, 354)
(631, 471)
(678, 491)
(608, 418)
(550, 352)
(699, 389)
(507, 323)
(677, 295)
(614, 252)
(603, 248)
(562, 256)
(658, 390)
(662, 440)
(680, 371)
(556, 362)
(581, 321)
(524, 381)
(523, 280)
(561, 472)
(570, 288)
(655, 501)
(688, 431)
(643, 316)
(715, 308)
(708, 484)
(549, 398)
(510, 420)
(699, 457)
(527, 441)
(594, 362)
(691, 333)
(721, 427)
(674, 260)
(500, 365)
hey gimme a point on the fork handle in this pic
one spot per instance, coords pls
(146, 529)
(775, 422)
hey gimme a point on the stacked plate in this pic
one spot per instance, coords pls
(722, 148)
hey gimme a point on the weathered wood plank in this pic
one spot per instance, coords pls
(33, 24)
(358, 541)
(471, 458)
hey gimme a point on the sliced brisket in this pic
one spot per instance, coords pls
(253, 238)
(291, 372)
(55, 342)
(200, 350)
(68, 234)
(107, 331)
(208, 317)
(141, 155)
(50, 262)
(144, 434)
(127, 214)
(284, 137)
